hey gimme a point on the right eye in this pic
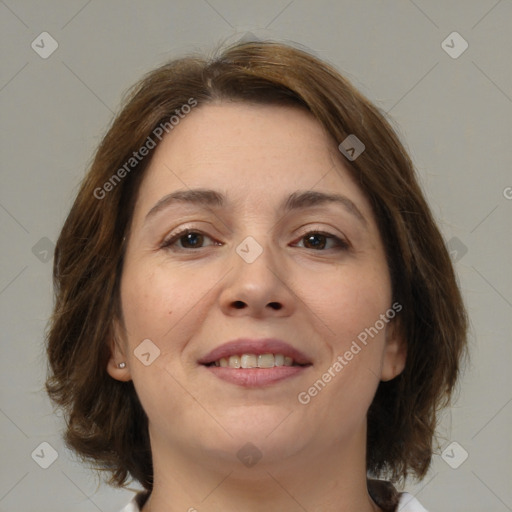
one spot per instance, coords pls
(188, 239)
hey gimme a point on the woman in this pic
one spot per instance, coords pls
(254, 307)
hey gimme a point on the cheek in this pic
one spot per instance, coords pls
(350, 305)
(347, 301)
(164, 304)
(159, 305)
(145, 306)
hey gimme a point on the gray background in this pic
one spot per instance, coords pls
(454, 114)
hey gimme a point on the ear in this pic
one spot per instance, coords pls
(117, 356)
(395, 352)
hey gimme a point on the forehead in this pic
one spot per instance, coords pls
(247, 151)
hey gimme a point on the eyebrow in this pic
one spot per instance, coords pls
(295, 201)
(310, 198)
(198, 196)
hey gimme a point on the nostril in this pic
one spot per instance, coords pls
(275, 305)
(238, 304)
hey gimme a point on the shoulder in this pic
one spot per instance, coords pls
(137, 503)
(408, 503)
(131, 507)
(385, 495)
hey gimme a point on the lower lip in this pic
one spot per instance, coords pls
(256, 377)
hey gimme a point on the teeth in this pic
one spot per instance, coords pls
(266, 361)
(249, 361)
(254, 361)
(234, 362)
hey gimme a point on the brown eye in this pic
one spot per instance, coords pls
(319, 241)
(315, 241)
(191, 240)
(188, 239)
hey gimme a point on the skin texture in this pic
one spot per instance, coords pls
(188, 301)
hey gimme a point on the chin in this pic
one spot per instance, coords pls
(274, 431)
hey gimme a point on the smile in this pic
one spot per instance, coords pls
(254, 361)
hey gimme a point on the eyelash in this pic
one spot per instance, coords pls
(341, 245)
(175, 237)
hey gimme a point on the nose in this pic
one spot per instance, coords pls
(258, 288)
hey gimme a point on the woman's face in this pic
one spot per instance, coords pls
(249, 238)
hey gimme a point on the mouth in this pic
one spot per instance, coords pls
(247, 361)
(253, 363)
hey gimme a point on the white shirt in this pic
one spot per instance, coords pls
(407, 503)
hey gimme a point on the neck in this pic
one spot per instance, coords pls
(330, 481)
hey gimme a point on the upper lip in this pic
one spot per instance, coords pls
(254, 346)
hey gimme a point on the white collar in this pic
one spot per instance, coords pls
(407, 503)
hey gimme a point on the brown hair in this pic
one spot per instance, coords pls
(105, 420)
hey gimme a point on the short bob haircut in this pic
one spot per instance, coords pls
(105, 422)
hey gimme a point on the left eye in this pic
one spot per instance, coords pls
(319, 241)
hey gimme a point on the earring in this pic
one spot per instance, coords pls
(121, 365)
